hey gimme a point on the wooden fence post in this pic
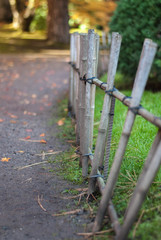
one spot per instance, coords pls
(77, 89)
(88, 116)
(82, 88)
(71, 80)
(146, 59)
(101, 138)
(75, 73)
(93, 87)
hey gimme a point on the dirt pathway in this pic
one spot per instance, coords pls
(29, 90)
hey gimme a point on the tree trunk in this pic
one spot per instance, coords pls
(5, 11)
(58, 28)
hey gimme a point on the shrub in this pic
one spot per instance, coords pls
(136, 20)
(39, 21)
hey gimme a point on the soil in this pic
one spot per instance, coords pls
(30, 88)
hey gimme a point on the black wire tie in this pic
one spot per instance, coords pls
(110, 91)
(96, 176)
(135, 109)
(89, 154)
(124, 98)
(102, 84)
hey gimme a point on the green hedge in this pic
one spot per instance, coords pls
(136, 20)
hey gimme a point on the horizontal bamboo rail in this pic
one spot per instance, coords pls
(127, 101)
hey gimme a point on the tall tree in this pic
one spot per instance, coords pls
(57, 21)
(5, 11)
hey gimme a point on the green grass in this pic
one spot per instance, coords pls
(140, 141)
(139, 144)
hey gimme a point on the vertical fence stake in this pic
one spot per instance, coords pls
(82, 88)
(100, 144)
(88, 117)
(146, 59)
(70, 103)
(93, 87)
(75, 74)
(77, 90)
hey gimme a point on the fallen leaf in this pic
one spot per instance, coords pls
(13, 121)
(61, 122)
(42, 135)
(34, 96)
(5, 159)
(28, 130)
(28, 137)
(1, 120)
(13, 116)
(43, 141)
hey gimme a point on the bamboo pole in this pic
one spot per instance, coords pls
(101, 138)
(75, 74)
(93, 87)
(111, 210)
(82, 88)
(88, 117)
(147, 56)
(77, 90)
(121, 97)
(140, 193)
(70, 104)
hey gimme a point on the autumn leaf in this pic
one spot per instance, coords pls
(5, 159)
(1, 120)
(13, 116)
(43, 141)
(13, 121)
(42, 135)
(28, 130)
(28, 137)
(61, 122)
(20, 151)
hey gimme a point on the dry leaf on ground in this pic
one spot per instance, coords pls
(61, 122)
(42, 135)
(5, 159)
(43, 141)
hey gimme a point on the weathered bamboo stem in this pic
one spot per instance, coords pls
(82, 88)
(75, 74)
(110, 208)
(140, 193)
(70, 104)
(93, 86)
(88, 118)
(77, 90)
(121, 97)
(147, 56)
(101, 139)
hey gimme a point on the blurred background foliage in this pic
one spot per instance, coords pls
(135, 20)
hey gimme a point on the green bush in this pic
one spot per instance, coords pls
(136, 20)
(39, 21)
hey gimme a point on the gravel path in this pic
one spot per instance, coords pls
(30, 87)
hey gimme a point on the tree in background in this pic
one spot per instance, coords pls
(57, 21)
(5, 11)
(136, 20)
(93, 13)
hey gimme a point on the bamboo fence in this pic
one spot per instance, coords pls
(83, 81)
